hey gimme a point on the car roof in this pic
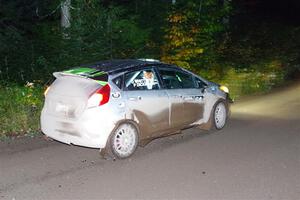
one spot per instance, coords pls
(120, 65)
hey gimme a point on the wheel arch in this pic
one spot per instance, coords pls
(107, 151)
(123, 121)
(208, 122)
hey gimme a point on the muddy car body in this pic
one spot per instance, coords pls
(120, 104)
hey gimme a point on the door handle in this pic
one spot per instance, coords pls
(135, 98)
(176, 96)
(188, 98)
(132, 98)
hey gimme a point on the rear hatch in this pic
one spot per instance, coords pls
(69, 93)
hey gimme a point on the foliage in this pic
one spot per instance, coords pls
(20, 43)
(20, 107)
(99, 33)
(193, 33)
(249, 81)
(96, 33)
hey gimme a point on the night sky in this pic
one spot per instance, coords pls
(287, 11)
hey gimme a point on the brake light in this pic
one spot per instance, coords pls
(100, 97)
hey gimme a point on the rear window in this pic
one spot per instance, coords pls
(102, 77)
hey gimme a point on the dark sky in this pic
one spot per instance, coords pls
(283, 10)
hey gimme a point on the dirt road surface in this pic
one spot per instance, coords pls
(256, 156)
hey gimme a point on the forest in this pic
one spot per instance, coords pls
(251, 46)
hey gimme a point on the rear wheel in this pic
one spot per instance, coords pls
(220, 115)
(124, 140)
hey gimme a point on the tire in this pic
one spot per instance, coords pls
(220, 114)
(124, 140)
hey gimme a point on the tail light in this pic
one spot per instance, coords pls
(100, 97)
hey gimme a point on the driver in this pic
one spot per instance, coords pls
(148, 77)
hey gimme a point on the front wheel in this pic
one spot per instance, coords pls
(220, 115)
(124, 140)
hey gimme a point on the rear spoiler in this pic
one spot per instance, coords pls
(61, 74)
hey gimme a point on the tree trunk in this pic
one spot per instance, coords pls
(65, 14)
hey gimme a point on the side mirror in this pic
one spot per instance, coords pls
(203, 89)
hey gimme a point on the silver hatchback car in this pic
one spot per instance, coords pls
(117, 105)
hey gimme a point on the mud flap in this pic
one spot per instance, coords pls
(106, 154)
(206, 126)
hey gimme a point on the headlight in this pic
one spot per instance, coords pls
(224, 89)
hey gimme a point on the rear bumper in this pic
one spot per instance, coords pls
(90, 130)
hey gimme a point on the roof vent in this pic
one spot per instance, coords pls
(148, 60)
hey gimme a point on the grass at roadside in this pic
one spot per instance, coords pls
(20, 107)
(243, 83)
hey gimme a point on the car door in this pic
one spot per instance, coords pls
(148, 104)
(175, 92)
(186, 100)
(193, 98)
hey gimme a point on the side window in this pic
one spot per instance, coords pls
(186, 80)
(118, 81)
(141, 80)
(176, 80)
(200, 83)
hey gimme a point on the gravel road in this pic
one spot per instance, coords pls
(256, 156)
